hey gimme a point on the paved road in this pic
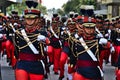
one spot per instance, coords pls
(8, 73)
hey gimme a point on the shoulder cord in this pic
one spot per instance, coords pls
(72, 40)
(58, 31)
(32, 41)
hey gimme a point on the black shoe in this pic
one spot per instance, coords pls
(46, 76)
(14, 67)
(60, 78)
(56, 73)
(8, 60)
(106, 62)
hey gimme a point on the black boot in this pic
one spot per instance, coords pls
(46, 76)
(60, 78)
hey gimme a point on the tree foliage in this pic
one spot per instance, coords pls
(20, 7)
(74, 5)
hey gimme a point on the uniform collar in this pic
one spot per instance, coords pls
(32, 29)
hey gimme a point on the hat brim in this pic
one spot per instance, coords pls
(31, 16)
(89, 25)
(71, 23)
(2, 14)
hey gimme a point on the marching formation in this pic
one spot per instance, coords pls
(83, 42)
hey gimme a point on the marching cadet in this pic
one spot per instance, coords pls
(117, 49)
(79, 49)
(55, 46)
(69, 30)
(104, 48)
(30, 41)
(10, 48)
(87, 64)
(84, 52)
(2, 33)
(116, 41)
(110, 36)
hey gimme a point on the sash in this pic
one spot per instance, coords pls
(12, 27)
(109, 36)
(96, 29)
(31, 46)
(90, 53)
(55, 35)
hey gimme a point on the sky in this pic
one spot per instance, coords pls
(53, 3)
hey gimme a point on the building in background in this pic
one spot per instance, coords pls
(109, 7)
(5, 3)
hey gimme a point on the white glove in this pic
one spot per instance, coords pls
(1, 35)
(106, 35)
(99, 35)
(15, 24)
(112, 49)
(1, 26)
(109, 31)
(103, 41)
(41, 38)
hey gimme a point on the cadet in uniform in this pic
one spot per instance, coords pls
(69, 30)
(84, 52)
(2, 33)
(55, 46)
(30, 41)
(115, 36)
(118, 51)
(10, 48)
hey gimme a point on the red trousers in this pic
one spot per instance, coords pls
(50, 53)
(2, 46)
(23, 75)
(63, 60)
(115, 55)
(102, 56)
(10, 52)
(54, 56)
(107, 55)
(118, 75)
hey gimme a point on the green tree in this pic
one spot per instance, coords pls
(60, 11)
(20, 7)
(74, 5)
